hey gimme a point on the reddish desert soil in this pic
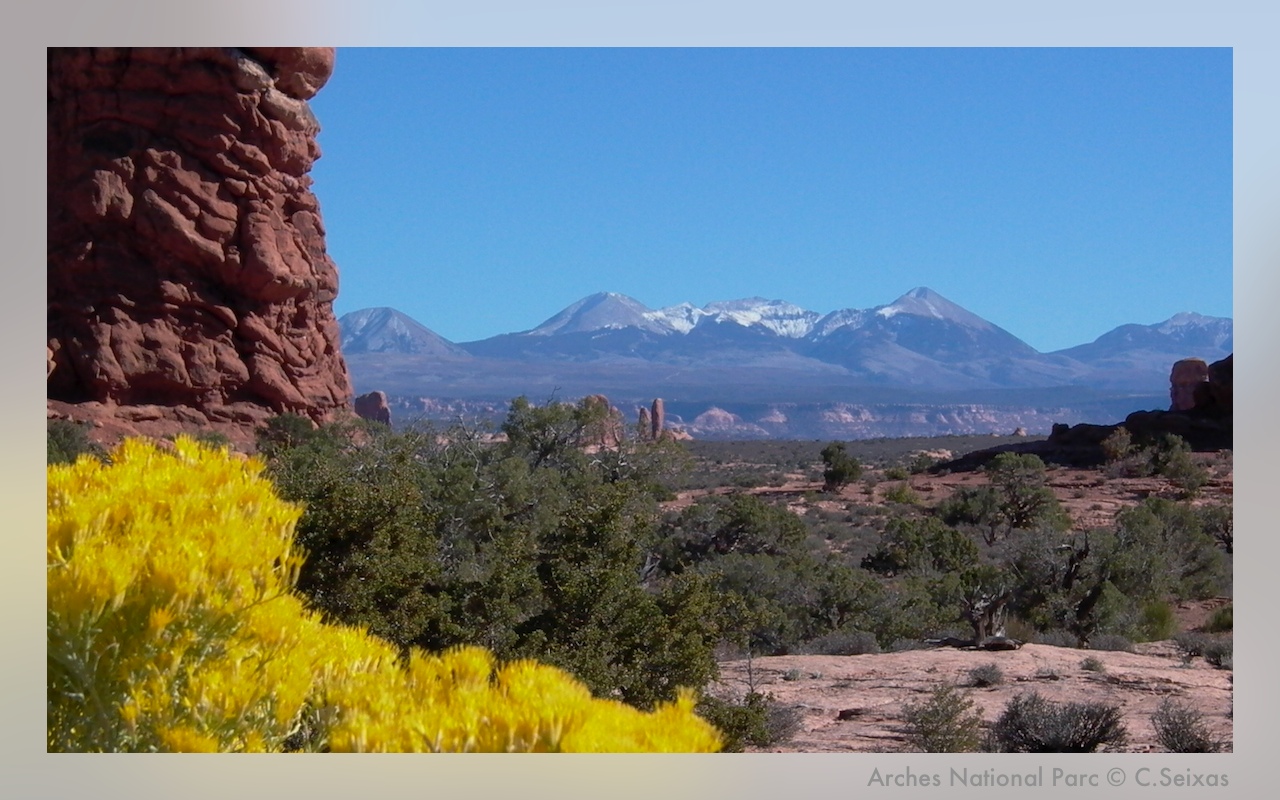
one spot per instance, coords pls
(854, 703)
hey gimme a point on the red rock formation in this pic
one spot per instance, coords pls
(187, 270)
(645, 424)
(658, 419)
(373, 406)
(1220, 391)
(1186, 376)
(606, 431)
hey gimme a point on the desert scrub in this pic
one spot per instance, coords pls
(1031, 724)
(173, 625)
(945, 723)
(1182, 729)
(1222, 620)
(986, 675)
(758, 720)
(901, 493)
(67, 440)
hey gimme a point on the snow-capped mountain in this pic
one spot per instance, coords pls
(921, 340)
(783, 318)
(1184, 332)
(385, 330)
(924, 302)
(1129, 352)
(600, 311)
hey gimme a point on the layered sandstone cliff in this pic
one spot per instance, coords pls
(188, 280)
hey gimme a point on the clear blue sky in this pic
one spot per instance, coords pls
(1056, 192)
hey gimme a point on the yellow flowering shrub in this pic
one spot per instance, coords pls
(173, 625)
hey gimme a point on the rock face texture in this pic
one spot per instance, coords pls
(187, 271)
(1184, 380)
(1218, 395)
(373, 406)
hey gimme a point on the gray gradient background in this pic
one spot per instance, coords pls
(28, 771)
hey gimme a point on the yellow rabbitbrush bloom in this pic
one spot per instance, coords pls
(173, 625)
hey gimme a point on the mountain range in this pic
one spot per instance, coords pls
(919, 349)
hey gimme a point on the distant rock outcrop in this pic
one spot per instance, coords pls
(1184, 380)
(657, 419)
(605, 433)
(1205, 426)
(187, 272)
(373, 406)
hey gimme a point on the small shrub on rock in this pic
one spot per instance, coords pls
(1182, 729)
(945, 723)
(1216, 650)
(986, 675)
(1031, 724)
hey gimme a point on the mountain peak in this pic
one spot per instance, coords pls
(925, 302)
(386, 330)
(596, 311)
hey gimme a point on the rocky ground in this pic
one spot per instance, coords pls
(854, 703)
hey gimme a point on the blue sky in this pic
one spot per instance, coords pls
(1056, 192)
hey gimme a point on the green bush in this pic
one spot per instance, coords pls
(921, 543)
(901, 493)
(1162, 550)
(1171, 457)
(776, 590)
(1031, 724)
(1025, 498)
(67, 440)
(1158, 621)
(532, 548)
(1220, 621)
(1182, 729)
(1118, 446)
(1092, 664)
(944, 723)
(840, 469)
(1217, 521)
(757, 721)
